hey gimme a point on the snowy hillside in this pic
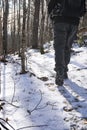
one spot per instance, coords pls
(33, 102)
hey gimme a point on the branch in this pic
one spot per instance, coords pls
(6, 123)
(36, 107)
(4, 126)
(31, 126)
(19, 128)
(10, 103)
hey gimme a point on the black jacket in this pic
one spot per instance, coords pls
(65, 17)
(52, 4)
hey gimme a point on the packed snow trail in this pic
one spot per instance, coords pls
(33, 99)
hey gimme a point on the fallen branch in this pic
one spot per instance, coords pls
(81, 68)
(4, 126)
(42, 107)
(9, 103)
(31, 126)
(18, 128)
(6, 123)
(36, 107)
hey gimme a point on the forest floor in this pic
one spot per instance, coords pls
(32, 101)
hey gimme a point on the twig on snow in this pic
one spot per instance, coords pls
(31, 126)
(36, 107)
(6, 123)
(9, 103)
(4, 126)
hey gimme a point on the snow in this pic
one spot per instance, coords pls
(32, 101)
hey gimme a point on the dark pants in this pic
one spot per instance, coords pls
(64, 34)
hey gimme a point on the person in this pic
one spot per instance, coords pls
(65, 15)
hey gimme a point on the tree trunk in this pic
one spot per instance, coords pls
(35, 25)
(19, 26)
(42, 28)
(23, 38)
(14, 30)
(5, 19)
(28, 23)
(0, 33)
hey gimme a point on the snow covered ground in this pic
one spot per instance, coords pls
(32, 101)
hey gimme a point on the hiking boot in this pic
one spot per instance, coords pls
(65, 75)
(59, 79)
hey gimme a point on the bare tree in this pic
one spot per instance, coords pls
(0, 31)
(35, 24)
(28, 23)
(19, 28)
(14, 3)
(23, 38)
(42, 27)
(5, 20)
(33, 28)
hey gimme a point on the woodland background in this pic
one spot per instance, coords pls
(26, 24)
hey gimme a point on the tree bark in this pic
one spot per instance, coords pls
(23, 38)
(42, 28)
(0, 33)
(35, 25)
(5, 20)
(28, 23)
